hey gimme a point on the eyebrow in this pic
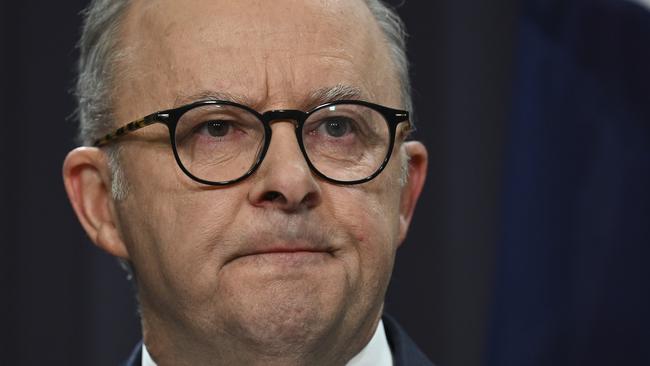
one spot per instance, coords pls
(315, 98)
(209, 95)
(332, 94)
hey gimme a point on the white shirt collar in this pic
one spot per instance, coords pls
(375, 353)
(146, 357)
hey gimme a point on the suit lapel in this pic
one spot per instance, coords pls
(135, 359)
(405, 351)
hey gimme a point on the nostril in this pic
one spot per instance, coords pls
(272, 195)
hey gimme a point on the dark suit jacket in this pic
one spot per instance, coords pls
(405, 351)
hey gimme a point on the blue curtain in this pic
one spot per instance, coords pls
(573, 266)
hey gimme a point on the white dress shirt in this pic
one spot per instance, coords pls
(375, 353)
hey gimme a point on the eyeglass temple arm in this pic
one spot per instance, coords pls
(400, 117)
(126, 129)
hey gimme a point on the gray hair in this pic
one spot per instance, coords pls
(395, 34)
(98, 50)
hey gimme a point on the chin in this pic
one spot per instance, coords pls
(279, 312)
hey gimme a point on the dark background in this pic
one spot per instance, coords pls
(531, 241)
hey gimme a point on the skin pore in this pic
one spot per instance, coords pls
(282, 268)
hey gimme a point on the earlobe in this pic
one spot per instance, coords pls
(417, 172)
(86, 177)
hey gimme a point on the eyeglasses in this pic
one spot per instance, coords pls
(218, 142)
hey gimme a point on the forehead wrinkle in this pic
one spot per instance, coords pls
(267, 92)
(316, 97)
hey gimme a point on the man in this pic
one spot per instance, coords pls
(257, 234)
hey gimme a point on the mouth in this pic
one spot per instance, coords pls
(284, 254)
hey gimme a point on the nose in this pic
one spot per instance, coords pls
(284, 181)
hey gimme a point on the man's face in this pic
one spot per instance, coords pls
(282, 258)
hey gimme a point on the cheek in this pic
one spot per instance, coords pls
(179, 255)
(369, 215)
(174, 230)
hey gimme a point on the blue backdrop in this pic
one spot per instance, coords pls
(573, 271)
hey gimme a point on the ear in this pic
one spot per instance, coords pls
(417, 172)
(87, 179)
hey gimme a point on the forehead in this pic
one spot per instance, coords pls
(268, 53)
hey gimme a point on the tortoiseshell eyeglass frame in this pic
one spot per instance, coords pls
(170, 118)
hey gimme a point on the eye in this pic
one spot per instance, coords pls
(337, 127)
(217, 128)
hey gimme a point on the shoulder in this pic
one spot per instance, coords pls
(405, 351)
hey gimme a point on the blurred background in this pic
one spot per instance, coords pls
(530, 245)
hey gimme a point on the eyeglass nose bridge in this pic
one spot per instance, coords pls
(297, 117)
(294, 115)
